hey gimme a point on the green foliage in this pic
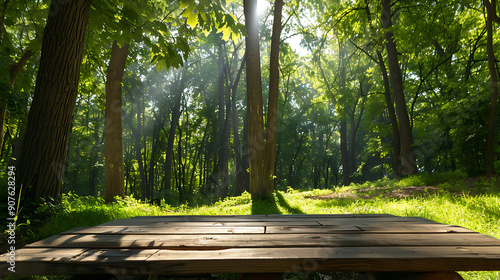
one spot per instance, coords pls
(443, 67)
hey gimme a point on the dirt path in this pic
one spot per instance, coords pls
(379, 192)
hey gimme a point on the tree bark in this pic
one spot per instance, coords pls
(396, 141)
(241, 173)
(490, 137)
(408, 160)
(272, 107)
(346, 172)
(41, 164)
(223, 151)
(346, 180)
(176, 114)
(113, 142)
(256, 137)
(94, 169)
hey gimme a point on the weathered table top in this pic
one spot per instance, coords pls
(263, 243)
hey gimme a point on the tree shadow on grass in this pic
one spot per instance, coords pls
(272, 205)
(265, 206)
(284, 204)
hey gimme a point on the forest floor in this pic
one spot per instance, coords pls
(473, 203)
(368, 193)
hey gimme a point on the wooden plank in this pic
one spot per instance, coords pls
(159, 223)
(277, 243)
(379, 228)
(412, 228)
(122, 230)
(260, 218)
(296, 220)
(206, 218)
(186, 242)
(376, 220)
(316, 216)
(262, 260)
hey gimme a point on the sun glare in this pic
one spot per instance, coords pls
(262, 6)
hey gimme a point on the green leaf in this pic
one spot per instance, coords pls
(193, 20)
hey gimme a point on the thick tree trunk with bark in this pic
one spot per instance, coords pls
(256, 137)
(113, 142)
(396, 142)
(408, 160)
(261, 145)
(40, 169)
(490, 137)
(272, 107)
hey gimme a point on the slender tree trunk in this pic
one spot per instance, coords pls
(138, 151)
(490, 137)
(409, 162)
(256, 137)
(346, 172)
(241, 173)
(223, 151)
(113, 142)
(152, 160)
(94, 169)
(272, 107)
(346, 180)
(176, 114)
(16, 68)
(396, 142)
(41, 165)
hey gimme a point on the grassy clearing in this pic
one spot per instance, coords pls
(450, 199)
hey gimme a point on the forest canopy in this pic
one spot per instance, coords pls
(187, 99)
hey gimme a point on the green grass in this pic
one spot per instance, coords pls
(474, 204)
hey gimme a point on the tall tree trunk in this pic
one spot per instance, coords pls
(152, 160)
(137, 134)
(113, 142)
(490, 137)
(41, 164)
(223, 151)
(94, 169)
(176, 114)
(396, 142)
(408, 160)
(346, 180)
(346, 172)
(241, 174)
(256, 137)
(272, 107)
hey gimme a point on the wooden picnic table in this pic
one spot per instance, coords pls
(189, 245)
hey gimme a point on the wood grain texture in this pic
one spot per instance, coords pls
(260, 240)
(183, 245)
